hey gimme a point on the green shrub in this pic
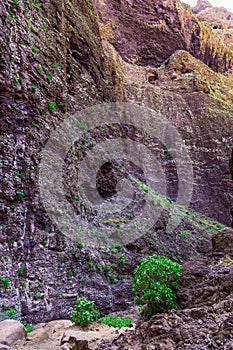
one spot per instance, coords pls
(155, 283)
(27, 326)
(116, 321)
(34, 88)
(56, 65)
(84, 312)
(20, 195)
(15, 3)
(11, 312)
(41, 111)
(38, 68)
(48, 78)
(4, 282)
(52, 106)
(20, 271)
(35, 49)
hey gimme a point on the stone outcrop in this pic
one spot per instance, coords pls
(219, 18)
(223, 241)
(201, 5)
(5, 347)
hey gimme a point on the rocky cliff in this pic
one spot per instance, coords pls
(148, 35)
(60, 57)
(217, 17)
(220, 20)
(203, 319)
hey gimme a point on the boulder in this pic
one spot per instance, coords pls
(5, 347)
(11, 331)
(222, 241)
(42, 332)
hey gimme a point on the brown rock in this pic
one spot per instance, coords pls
(222, 241)
(11, 331)
(43, 333)
(231, 163)
(90, 338)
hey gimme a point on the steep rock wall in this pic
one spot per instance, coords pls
(147, 33)
(58, 52)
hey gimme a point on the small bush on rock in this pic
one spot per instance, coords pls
(84, 312)
(155, 283)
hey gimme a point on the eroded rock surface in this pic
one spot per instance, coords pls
(64, 335)
(149, 34)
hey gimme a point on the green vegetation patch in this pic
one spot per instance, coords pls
(116, 321)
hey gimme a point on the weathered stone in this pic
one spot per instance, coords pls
(43, 333)
(64, 347)
(90, 338)
(11, 331)
(223, 240)
(201, 5)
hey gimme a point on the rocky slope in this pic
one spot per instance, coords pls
(203, 319)
(206, 301)
(58, 58)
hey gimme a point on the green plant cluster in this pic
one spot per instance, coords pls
(155, 283)
(84, 312)
(27, 326)
(12, 312)
(4, 281)
(116, 321)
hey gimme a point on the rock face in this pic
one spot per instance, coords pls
(202, 5)
(148, 35)
(89, 339)
(206, 300)
(58, 58)
(218, 17)
(4, 347)
(231, 164)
